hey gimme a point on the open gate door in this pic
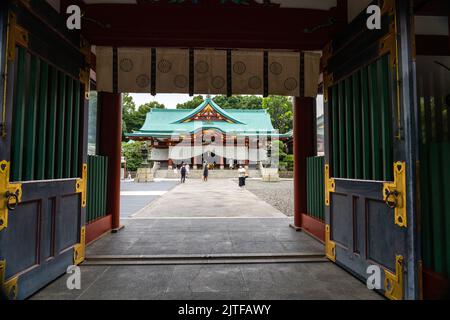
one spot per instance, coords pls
(42, 148)
(366, 158)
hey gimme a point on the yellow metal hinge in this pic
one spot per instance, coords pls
(16, 35)
(81, 185)
(330, 185)
(10, 287)
(393, 283)
(330, 246)
(10, 193)
(80, 249)
(394, 194)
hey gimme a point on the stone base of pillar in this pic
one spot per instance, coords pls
(194, 167)
(222, 167)
(144, 175)
(270, 175)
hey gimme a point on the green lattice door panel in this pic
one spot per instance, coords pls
(42, 165)
(365, 189)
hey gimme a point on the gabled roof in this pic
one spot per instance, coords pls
(209, 104)
(161, 123)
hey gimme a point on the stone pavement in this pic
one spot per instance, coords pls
(205, 236)
(217, 198)
(135, 196)
(208, 219)
(301, 281)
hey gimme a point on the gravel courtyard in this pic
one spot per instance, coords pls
(278, 194)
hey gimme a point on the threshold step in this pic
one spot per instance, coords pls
(234, 258)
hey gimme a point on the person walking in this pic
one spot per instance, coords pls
(205, 172)
(242, 175)
(183, 173)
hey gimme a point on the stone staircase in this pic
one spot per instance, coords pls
(198, 174)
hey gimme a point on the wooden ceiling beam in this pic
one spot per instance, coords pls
(200, 27)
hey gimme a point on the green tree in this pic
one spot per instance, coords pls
(239, 102)
(280, 110)
(132, 153)
(191, 104)
(133, 119)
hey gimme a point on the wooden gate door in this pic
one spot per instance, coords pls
(365, 169)
(42, 148)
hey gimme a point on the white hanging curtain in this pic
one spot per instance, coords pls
(241, 153)
(217, 150)
(104, 68)
(262, 155)
(247, 69)
(230, 152)
(253, 155)
(172, 70)
(197, 150)
(180, 152)
(159, 154)
(284, 73)
(210, 72)
(134, 66)
(311, 74)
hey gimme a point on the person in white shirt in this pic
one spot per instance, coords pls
(242, 175)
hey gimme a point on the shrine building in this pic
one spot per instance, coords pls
(208, 133)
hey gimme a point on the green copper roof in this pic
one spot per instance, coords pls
(215, 106)
(168, 122)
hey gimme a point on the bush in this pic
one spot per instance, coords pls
(133, 155)
(289, 160)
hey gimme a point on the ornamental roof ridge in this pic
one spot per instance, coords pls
(208, 102)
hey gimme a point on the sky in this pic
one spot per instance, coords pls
(171, 100)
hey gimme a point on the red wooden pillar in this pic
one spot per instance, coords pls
(110, 139)
(304, 147)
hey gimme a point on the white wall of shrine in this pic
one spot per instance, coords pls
(211, 152)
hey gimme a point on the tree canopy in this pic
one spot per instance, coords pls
(133, 118)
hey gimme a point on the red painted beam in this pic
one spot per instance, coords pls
(304, 147)
(435, 286)
(314, 227)
(204, 26)
(97, 228)
(110, 137)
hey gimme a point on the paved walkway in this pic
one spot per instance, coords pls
(205, 236)
(200, 241)
(217, 198)
(135, 196)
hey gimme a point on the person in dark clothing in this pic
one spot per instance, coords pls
(205, 172)
(183, 174)
(242, 176)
